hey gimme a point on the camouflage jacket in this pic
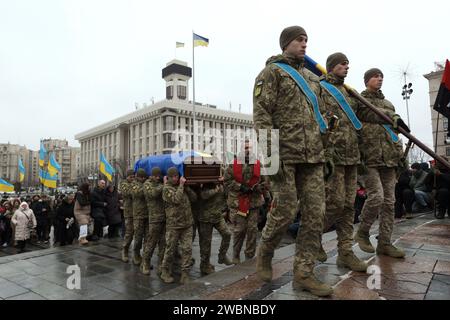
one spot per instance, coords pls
(139, 203)
(377, 147)
(278, 103)
(155, 204)
(344, 138)
(214, 204)
(125, 190)
(177, 200)
(232, 187)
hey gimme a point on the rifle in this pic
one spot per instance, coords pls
(316, 69)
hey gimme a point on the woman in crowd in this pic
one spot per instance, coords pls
(65, 221)
(113, 215)
(82, 211)
(24, 221)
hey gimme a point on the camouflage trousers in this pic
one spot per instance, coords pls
(129, 232)
(245, 228)
(156, 236)
(380, 186)
(181, 238)
(340, 192)
(140, 233)
(306, 182)
(205, 235)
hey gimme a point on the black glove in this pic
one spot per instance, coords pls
(398, 122)
(244, 189)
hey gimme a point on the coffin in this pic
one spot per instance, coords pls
(196, 167)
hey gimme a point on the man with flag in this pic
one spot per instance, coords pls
(382, 154)
(287, 97)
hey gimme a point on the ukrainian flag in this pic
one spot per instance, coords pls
(6, 186)
(180, 44)
(42, 154)
(21, 171)
(200, 41)
(106, 168)
(53, 165)
(314, 67)
(47, 180)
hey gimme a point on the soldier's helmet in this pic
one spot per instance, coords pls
(172, 172)
(141, 173)
(130, 172)
(156, 172)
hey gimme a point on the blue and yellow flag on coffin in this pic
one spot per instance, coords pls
(200, 41)
(6, 186)
(47, 179)
(42, 154)
(53, 166)
(106, 168)
(21, 171)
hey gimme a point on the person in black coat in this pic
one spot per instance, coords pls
(65, 220)
(41, 210)
(98, 206)
(113, 215)
(438, 180)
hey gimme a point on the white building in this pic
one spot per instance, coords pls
(163, 127)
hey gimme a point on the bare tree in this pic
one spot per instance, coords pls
(418, 155)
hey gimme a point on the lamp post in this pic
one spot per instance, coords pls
(406, 93)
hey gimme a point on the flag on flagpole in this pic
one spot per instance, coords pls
(42, 154)
(21, 171)
(53, 165)
(442, 103)
(47, 179)
(106, 168)
(6, 186)
(180, 44)
(200, 41)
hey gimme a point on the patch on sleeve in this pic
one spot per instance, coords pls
(258, 88)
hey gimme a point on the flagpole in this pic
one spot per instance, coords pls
(193, 89)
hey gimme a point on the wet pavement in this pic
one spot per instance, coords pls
(423, 274)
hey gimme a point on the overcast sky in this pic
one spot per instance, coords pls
(67, 66)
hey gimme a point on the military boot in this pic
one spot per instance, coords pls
(166, 277)
(364, 241)
(236, 260)
(185, 278)
(349, 260)
(206, 268)
(264, 263)
(390, 250)
(312, 284)
(145, 268)
(137, 259)
(322, 255)
(223, 259)
(125, 255)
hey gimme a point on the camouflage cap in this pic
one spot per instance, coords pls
(289, 34)
(156, 171)
(335, 59)
(141, 173)
(371, 73)
(172, 172)
(130, 172)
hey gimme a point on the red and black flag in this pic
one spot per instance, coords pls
(442, 103)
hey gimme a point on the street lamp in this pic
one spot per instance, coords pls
(406, 93)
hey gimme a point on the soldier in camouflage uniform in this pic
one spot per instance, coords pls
(125, 190)
(382, 156)
(140, 214)
(245, 224)
(343, 149)
(279, 103)
(213, 200)
(177, 199)
(157, 221)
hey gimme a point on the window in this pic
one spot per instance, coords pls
(147, 128)
(445, 124)
(168, 123)
(181, 92)
(140, 130)
(169, 92)
(168, 142)
(447, 151)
